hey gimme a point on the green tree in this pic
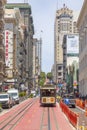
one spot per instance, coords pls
(42, 78)
(49, 75)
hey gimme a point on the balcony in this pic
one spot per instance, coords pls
(2, 59)
(21, 60)
(19, 65)
(1, 11)
(3, 2)
(1, 36)
(21, 44)
(1, 23)
(1, 62)
(2, 44)
(1, 67)
(2, 50)
(1, 76)
(1, 30)
(1, 16)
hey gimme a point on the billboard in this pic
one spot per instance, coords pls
(72, 44)
(8, 47)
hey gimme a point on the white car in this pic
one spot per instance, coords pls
(5, 100)
(14, 94)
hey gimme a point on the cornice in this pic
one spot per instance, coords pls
(82, 12)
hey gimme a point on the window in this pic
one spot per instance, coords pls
(59, 67)
(64, 27)
(59, 73)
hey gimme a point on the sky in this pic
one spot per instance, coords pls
(43, 12)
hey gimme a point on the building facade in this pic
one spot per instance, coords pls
(71, 61)
(65, 23)
(15, 55)
(82, 26)
(37, 57)
(2, 48)
(25, 10)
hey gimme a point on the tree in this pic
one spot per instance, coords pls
(42, 78)
(49, 76)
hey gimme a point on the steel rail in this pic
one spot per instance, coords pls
(18, 115)
(41, 126)
(49, 125)
(13, 113)
(56, 123)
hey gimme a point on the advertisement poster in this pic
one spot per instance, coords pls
(72, 44)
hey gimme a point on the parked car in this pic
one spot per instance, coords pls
(69, 100)
(14, 94)
(5, 100)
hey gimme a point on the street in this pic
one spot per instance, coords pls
(29, 115)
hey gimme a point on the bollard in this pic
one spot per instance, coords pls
(77, 122)
(82, 128)
(83, 125)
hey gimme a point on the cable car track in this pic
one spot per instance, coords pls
(48, 113)
(12, 120)
(56, 123)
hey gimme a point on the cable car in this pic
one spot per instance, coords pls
(48, 95)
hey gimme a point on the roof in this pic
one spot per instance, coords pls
(19, 5)
(47, 88)
(3, 93)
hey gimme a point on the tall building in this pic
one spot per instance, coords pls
(82, 26)
(65, 23)
(25, 10)
(37, 56)
(71, 61)
(2, 49)
(15, 54)
(37, 51)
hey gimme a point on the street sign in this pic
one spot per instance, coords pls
(60, 85)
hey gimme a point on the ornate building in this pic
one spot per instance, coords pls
(65, 23)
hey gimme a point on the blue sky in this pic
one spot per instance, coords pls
(43, 12)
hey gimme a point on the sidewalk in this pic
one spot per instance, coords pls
(63, 122)
(82, 118)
